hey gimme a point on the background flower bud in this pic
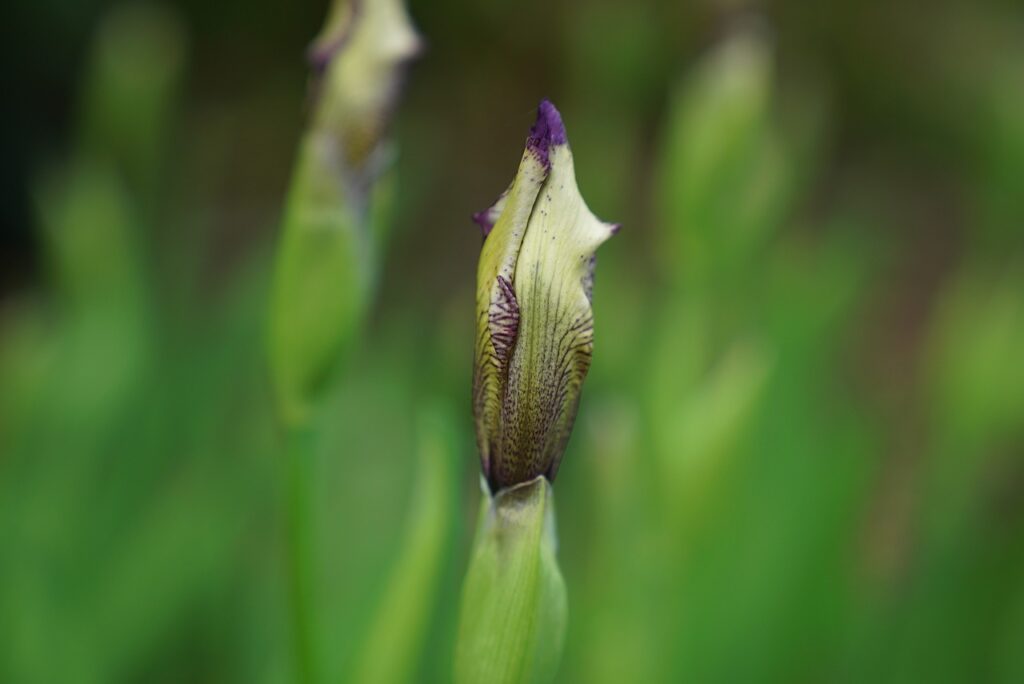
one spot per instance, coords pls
(326, 262)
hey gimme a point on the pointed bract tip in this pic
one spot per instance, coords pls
(483, 219)
(546, 132)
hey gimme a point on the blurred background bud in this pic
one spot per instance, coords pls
(359, 61)
(130, 95)
(327, 257)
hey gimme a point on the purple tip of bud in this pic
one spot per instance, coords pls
(615, 228)
(483, 219)
(547, 131)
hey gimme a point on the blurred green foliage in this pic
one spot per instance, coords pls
(800, 452)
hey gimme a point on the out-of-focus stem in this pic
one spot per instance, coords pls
(300, 557)
(392, 652)
(325, 262)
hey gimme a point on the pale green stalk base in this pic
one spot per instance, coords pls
(514, 607)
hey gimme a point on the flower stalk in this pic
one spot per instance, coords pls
(326, 261)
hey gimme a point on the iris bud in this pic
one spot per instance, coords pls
(533, 312)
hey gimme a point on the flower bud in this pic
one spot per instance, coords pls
(326, 261)
(534, 319)
(359, 59)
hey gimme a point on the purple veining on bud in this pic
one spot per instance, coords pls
(588, 278)
(547, 132)
(503, 320)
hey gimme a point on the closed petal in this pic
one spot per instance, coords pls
(553, 351)
(497, 310)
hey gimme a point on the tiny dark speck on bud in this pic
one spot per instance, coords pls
(547, 131)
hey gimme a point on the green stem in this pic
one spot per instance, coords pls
(301, 545)
(514, 610)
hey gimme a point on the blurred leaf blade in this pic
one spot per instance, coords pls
(397, 634)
